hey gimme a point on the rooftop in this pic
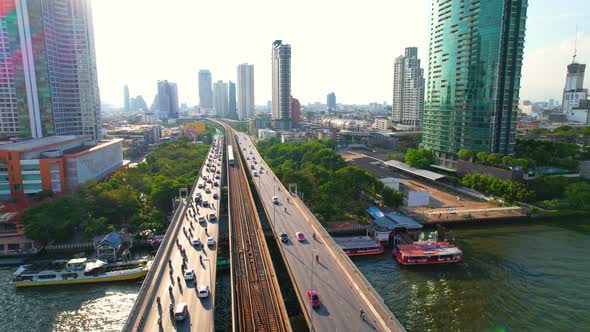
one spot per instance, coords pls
(355, 242)
(416, 171)
(394, 221)
(40, 143)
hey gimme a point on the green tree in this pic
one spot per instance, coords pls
(507, 161)
(392, 198)
(419, 158)
(465, 154)
(482, 157)
(494, 159)
(578, 195)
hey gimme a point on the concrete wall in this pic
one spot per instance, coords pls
(464, 167)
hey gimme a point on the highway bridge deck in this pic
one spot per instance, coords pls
(342, 289)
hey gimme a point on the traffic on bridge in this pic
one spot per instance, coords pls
(332, 291)
(178, 294)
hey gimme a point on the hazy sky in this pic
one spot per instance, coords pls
(345, 46)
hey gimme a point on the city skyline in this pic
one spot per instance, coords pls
(549, 45)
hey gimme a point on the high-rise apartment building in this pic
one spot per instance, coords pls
(281, 85)
(331, 101)
(408, 89)
(475, 59)
(220, 98)
(574, 91)
(245, 91)
(231, 89)
(167, 100)
(48, 82)
(205, 89)
(126, 105)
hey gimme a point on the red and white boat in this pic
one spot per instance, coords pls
(423, 252)
(359, 245)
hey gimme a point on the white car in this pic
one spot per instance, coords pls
(203, 291)
(210, 241)
(196, 242)
(189, 275)
(180, 312)
(275, 200)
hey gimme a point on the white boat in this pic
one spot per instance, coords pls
(77, 271)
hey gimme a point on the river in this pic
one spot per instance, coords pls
(518, 277)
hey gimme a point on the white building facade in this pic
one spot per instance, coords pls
(245, 91)
(408, 89)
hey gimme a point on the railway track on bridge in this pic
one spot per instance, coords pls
(259, 305)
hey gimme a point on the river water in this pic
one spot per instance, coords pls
(519, 277)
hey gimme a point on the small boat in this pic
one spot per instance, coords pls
(423, 252)
(77, 271)
(359, 245)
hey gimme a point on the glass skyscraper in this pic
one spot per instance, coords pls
(48, 84)
(475, 60)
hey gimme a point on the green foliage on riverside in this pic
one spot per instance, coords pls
(509, 191)
(559, 192)
(137, 198)
(330, 187)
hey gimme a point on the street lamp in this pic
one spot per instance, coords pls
(313, 253)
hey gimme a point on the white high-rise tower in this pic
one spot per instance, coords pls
(245, 91)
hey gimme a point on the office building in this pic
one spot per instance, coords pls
(245, 91)
(205, 89)
(281, 85)
(295, 110)
(331, 101)
(220, 98)
(126, 105)
(231, 103)
(475, 60)
(167, 100)
(408, 89)
(48, 82)
(56, 163)
(140, 104)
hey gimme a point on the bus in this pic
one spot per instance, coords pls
(230, 155)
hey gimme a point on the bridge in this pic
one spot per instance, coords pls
(257, 303)
(342, 289)
(165, 286)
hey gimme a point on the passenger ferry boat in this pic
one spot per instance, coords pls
(77, 271)
(359, 245)
(423, 252)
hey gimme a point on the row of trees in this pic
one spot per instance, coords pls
(493, 159)
(329, 186)
(137, 198)
(509, 191)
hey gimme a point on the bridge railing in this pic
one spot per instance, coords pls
(149, 278)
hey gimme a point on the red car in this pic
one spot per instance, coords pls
(313, 298)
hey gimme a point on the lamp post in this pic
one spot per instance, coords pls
(313, 253)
